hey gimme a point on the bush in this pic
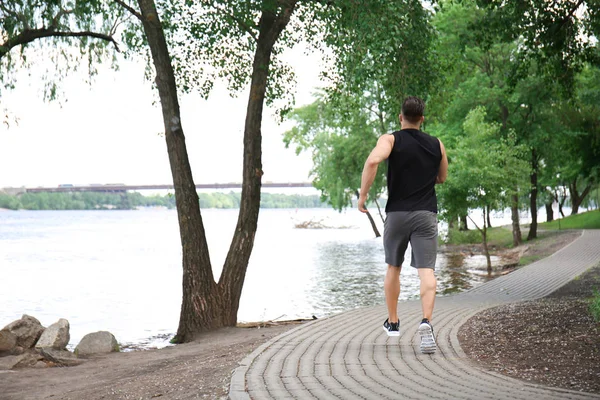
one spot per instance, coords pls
(463, 237)
(498, 236)
(595, 305)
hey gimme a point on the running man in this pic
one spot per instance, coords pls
(416, 162)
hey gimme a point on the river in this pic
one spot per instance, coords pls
(121, 270)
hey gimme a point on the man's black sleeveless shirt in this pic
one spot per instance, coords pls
(413, 167)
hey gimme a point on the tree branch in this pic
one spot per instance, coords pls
(379, 210)
(59, 16)
(474, 223)
(586, 191)
(242, 24)
(28, 36)
(129, 8)
(573, 187)
(271, 24)
(282, 19)
(323, 2)
(6, 9)
(567, 18)
(113, 28)
(18, 16)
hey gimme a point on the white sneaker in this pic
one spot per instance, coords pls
(428, 345)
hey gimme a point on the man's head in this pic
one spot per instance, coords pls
(412, 110)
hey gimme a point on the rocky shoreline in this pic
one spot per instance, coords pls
(26, 343)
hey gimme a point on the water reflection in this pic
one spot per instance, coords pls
(347, 276)
(458, 275)
(350, 275)
(453, 278)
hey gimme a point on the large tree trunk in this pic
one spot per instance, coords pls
(487, 216)
(533, 197)
(234, 270)
(576, 198)
(201, 305)
(514, 214)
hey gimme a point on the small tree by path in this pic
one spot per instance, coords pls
(484, 237)
(485, 169)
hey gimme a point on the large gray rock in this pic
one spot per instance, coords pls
(8, 362)
(61, 357)
(97, 343)
(27, 330)
(8, 341)
(27, 359)
(55, 336)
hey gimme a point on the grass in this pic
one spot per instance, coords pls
(499, 236)
(502, 236)
(587, 220)
(595, 305)
(463, 237)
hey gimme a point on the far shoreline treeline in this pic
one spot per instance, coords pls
(134, 200)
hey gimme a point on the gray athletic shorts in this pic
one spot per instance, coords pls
(417, 227)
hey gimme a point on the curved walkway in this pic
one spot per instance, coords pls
(348, 356)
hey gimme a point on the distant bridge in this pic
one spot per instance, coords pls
(123, 188)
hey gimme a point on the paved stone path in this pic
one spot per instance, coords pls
(348, 356)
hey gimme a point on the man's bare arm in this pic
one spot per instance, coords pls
(443, 172)
(381, 152)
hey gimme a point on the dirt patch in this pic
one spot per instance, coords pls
(553, 341)
(201, 369)
(548, 243)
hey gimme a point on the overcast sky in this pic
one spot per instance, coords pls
(110, 132)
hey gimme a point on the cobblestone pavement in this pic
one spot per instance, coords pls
(348, 356)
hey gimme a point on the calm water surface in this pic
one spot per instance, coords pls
(121, 270)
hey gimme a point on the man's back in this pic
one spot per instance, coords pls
(416, 162)
(413, 167)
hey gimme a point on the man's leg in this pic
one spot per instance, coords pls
(428, 284)
(428, 288)
(424, 252)
(391, 288)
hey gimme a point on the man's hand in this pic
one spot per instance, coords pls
(361, 204)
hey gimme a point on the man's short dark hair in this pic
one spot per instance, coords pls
(413, 109)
